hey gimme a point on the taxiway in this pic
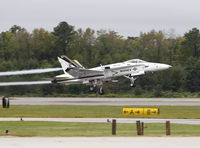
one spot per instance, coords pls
(104, 120)
(99, 142)
(105, 101)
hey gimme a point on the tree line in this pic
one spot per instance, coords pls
(20, 49)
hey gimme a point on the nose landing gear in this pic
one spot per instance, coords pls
(132, 79)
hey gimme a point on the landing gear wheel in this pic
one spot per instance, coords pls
(132, 85)
(101, 92)
(91, 88)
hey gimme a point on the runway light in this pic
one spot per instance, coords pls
(140, 111)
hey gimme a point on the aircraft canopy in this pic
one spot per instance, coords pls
(136, 61)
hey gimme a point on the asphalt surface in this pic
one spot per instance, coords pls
(100, 142)
(106, 101)
(104, 120)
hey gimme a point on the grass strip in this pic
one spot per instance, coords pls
(168, 112)
(64, 129)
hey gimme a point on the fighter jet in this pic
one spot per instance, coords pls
(75, 73)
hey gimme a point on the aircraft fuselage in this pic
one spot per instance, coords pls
(128, 68)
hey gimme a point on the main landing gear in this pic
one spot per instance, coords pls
(97, 85)
(98, 88)
(92, 88)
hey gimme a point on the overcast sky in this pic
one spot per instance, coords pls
(128, 17)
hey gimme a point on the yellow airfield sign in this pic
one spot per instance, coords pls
(140, 111)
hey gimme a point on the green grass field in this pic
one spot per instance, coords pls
(179, 112)
(63, 129)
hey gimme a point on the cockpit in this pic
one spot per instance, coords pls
(136, 61)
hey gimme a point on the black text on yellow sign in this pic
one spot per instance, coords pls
(140, 111)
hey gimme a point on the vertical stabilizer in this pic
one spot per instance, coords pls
(78, 64)
(65, 63)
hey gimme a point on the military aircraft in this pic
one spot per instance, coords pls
(75, 73)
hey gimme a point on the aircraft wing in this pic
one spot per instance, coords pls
(24, 83)
(84, 73)
(32, 71)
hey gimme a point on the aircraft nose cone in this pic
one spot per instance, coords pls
(167, 66)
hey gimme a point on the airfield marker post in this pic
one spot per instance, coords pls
(142, 128)
(167, 128)
(114, 127)
(138, 127)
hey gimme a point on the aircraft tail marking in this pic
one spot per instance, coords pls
(78, 64)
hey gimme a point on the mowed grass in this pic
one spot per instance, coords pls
(178, 112)
(64, 129)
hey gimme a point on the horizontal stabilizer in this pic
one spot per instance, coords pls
(24, 83)
(32, 71)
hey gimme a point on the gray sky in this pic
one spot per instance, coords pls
(128, 17)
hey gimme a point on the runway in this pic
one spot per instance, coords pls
(105, 120)
(105, 101)
(99, 142)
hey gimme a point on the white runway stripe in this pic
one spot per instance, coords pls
(104, 120)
